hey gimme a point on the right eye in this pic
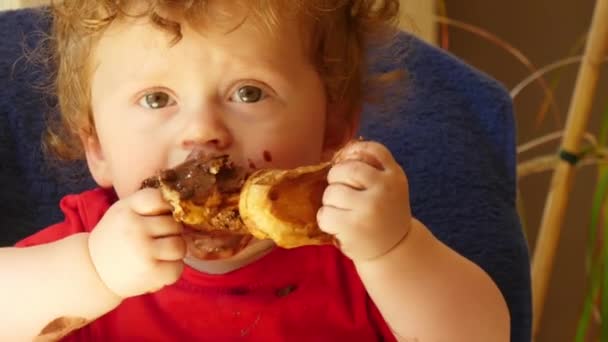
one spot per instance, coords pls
(248, 94)
(156, 100)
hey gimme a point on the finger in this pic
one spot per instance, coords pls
(353, 173)
(340, 196)
(331, 219)
(148, 202)
(369, 152)
(169, 271)
(171, 248)
(162, 226)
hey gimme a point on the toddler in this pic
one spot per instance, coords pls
(272, 83)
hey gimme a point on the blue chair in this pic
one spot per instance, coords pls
(450, 127)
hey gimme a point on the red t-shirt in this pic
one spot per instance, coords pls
(302, 294)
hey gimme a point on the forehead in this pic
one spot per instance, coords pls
(238, 35)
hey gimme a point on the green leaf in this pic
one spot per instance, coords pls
(595, 265)
(596, 209)
(604, 277)
(604, 293)
(604, 128)
(585, 319)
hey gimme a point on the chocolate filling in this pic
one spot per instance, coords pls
(196, 179)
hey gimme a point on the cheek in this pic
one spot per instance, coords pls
(288, 148)
(132, 157)
(131, 168)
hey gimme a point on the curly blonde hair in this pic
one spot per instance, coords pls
(341, 34)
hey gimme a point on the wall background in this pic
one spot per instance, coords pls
(545, 31)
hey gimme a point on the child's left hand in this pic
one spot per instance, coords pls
(366, 205)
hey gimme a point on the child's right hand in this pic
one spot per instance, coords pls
(137, 247)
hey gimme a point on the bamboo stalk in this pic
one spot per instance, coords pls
(578, 115)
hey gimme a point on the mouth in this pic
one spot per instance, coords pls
(214, 245)
(202, 154)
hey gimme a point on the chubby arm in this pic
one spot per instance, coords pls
(52, 289)
(51, 283)
(424, 290)
(427, 292)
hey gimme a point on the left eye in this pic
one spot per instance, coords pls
(248, 94)
(156, 100)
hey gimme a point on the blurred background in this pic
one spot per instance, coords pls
(545, 32)
(482, 33)
(489, 35)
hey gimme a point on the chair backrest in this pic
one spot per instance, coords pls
(449, 126)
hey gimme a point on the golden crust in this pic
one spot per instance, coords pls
(282, 205)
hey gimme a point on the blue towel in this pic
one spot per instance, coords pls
(449, 126)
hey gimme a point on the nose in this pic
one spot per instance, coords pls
(206, 130)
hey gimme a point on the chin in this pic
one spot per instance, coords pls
(254, 250)
(221, 247)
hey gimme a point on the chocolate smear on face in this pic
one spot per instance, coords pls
(267, 156)
(196, 178)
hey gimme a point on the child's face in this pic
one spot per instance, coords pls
(256, 98)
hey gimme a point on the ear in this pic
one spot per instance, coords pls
(338, 130)
(98, 164)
